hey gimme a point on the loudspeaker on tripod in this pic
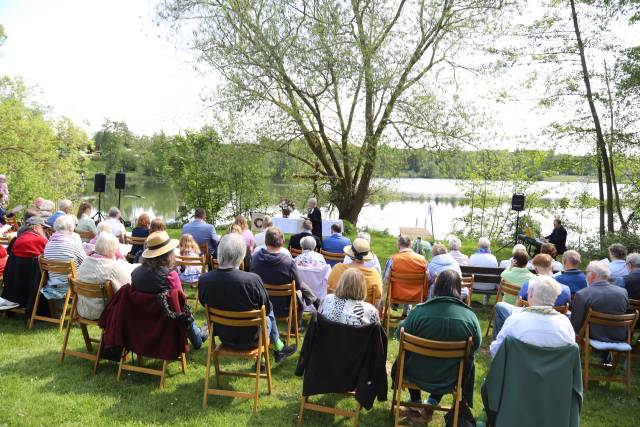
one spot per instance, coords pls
(120, 180)
(99, 183)
(517, 202)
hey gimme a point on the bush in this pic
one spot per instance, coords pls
(594, 248)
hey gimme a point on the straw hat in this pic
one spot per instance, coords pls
(159, 243)
(359, 249)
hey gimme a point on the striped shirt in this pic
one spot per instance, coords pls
(62, 247)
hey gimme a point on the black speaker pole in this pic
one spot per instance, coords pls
(517, 226)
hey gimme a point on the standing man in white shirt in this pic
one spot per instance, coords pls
(117, 227)
(539, 324)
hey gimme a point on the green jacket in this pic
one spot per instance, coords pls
(440, 319)
(534, 386)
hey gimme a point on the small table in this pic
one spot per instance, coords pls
(294, 225)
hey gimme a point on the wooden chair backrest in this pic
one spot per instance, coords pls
(136, 240)
(562, 309)
(192, 261)
(634, 305)
(295, 252)
(436, 349)
(5, 240)
(627, 321)
(54, 266)
(204, 249)
(214, 264)
(412, 279)
(91, 290)
(286, 290)
(331, 256)
(468, 281)
(236, 318)
(508, 289)
(86, 235)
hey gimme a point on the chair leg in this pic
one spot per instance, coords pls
(65, 341)
(267, 361)
(164, 373)
(63, 314)
(183, 359)
(98, 355)
(301, 413)
(216, 365)
(87, 338)
(456, 410)
(587, 364)
(206, 378)
(489, 323)
(122, 358)
(628, 374)
(35, 308)
(356, 420)
(256, 391)
(295, 318)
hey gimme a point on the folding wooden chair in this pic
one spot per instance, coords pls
(241, 319)
(102, 291)
(332, 256)
(51, 266)
(162, 372)
(624, 348)
(287, 290)
(467, 282)
(306, 405)
(634, 305)
(85, 235)
(295, 252)
(134, 241)
(204, 249)
(503, 289)
(429, 348)
(192, 261)
(414, 280)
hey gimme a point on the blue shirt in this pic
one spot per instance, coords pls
(335, 244)
(52, 219)
(574, 279)
(202, 233)
(563, 298)
(617, 268)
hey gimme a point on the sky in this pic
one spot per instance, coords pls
(93, 60)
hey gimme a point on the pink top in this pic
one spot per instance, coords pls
(175, 283)
(4, 192)
(249, 239)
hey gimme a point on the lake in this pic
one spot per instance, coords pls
(408, 207)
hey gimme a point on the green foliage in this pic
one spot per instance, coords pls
(114, 142)
(40, 156)
(225, 179)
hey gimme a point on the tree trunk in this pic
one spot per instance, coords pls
(623, 224)
(600, 198)
(601, 146)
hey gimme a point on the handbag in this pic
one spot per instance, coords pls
(465, 417)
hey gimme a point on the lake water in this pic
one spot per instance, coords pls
(409, 205)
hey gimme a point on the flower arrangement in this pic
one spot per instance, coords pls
(287, 206)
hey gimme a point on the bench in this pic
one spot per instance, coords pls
(483, 275)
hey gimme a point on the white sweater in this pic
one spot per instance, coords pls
(99, 270)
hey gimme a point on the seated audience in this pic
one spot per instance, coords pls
(231, 289)
(277, 268)
(405, 261)
(85, 222)
(517, 273)
(600, 296)
(201, 231)
(32, 241)
(550, 249)
(455, 245)
(631, 282)
(542, 264)
(64, 245)
(539, 324)
(44, 208)
(117, 227)
(103, 228)
(423, 247)
(307, 228)
(571, 275)
(241, 222)
(309, 257)
(27, 214)
(509, 262)
(374, 262)
(336, 242)
(141, 230)
(443, 318)
(483, 256)
(157, 275)
(347, 304)
(64, 208)
(359, 252)
(259, 237)
(158, 224)
(97, 269)
(441, 261)
(618, 264)
(189, 248)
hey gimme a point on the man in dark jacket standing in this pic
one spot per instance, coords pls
(558, 237)
(315, 216)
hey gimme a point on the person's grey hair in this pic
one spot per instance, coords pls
(600, 269)
(64, 204)
(307, 225)
(404, 242)
(633, 259)
(65, 224)
(517, 248)
(107, 245)
(544, 290)
(438, 249)
(364, 235)
(484, 243)
(455, 244)
(266, 222)
(104, 227)
(114, 212)
(231, 250)
(308, 243)
(313, 201)
(572, 257)
(617, 251)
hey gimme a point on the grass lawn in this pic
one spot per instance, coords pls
(36, 390)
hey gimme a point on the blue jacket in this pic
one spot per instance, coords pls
(563, 298)
(202, 233)
(574, 279)
(335, 243)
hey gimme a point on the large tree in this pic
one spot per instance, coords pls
(336, 74)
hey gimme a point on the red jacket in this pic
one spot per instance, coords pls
(134, 320)
(28, 245)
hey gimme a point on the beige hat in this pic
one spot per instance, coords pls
(159, 243)
(359, 249)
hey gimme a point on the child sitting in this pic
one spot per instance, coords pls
(189, 273)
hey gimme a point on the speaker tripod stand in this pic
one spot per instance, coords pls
(99, 216)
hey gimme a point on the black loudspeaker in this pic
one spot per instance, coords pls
(99, 183)
(120, 180)
(517, 202)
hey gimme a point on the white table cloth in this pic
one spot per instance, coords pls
(294, 225)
